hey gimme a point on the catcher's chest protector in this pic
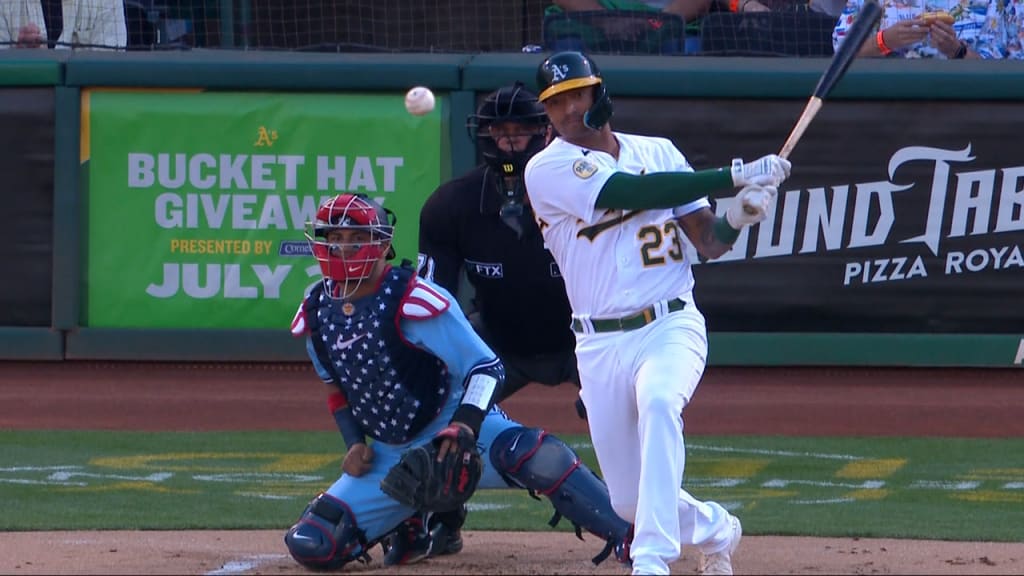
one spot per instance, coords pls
(394, 389)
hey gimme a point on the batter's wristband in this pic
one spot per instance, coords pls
(724, 232)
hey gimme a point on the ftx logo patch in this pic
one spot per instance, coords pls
(486, 269)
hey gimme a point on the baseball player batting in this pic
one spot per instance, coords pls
(615, 210)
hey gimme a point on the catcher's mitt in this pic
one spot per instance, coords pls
(419, 481)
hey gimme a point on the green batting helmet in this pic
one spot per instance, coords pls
(564, 71)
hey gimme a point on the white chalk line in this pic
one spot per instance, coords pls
(763, 452)
(246, 564)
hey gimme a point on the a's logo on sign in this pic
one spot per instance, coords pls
(486, 269)
(583, 168)
(265, 137)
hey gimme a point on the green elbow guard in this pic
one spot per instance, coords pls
(661, 189)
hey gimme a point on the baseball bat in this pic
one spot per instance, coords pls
(866, 19)
(868, 16)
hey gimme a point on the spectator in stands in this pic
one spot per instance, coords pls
(67, 24)
(799, 28)
(690, 11)
(976, 30)
(1014, 11)
(831, 7)
(740, 6)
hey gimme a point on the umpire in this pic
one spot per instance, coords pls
(481, 222)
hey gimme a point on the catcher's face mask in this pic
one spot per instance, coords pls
(351, 234)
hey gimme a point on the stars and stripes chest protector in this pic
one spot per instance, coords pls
(394, 388)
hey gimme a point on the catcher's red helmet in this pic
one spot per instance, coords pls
(354, 256)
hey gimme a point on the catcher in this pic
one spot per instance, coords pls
(403, 367)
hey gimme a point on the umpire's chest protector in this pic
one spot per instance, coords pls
(394, 388)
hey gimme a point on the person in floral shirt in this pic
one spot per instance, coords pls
(1015, 29)
(911, 29)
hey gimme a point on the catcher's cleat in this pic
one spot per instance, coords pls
(445, 541)
(622, 548)
(408, 543)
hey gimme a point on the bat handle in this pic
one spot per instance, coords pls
(794, 137)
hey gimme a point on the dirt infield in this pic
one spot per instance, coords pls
(263, 552)
(795, 402)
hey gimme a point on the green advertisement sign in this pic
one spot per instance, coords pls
(197, 201)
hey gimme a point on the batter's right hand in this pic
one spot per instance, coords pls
(358, 460)
(770, 170)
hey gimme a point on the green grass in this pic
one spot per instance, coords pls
(945, 489)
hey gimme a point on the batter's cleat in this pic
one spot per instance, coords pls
(721, 562)
(408, 544)
(445, 541)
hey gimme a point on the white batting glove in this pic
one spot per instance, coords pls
(759, 198)
(770, 170)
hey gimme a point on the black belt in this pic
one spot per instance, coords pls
(632, 322)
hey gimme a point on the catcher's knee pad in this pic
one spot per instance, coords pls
(326, 536)
(539, 462)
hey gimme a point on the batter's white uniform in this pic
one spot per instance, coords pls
(635, 383)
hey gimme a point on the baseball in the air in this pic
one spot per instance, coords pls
(419, 101)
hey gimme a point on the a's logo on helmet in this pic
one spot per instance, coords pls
(559, 72)
(583, 168)
(508, 168)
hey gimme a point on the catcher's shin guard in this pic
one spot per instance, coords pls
(326, 536)
(533, 459)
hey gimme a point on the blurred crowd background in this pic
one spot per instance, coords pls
(665, 27)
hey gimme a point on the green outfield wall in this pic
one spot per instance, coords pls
(159, 197)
